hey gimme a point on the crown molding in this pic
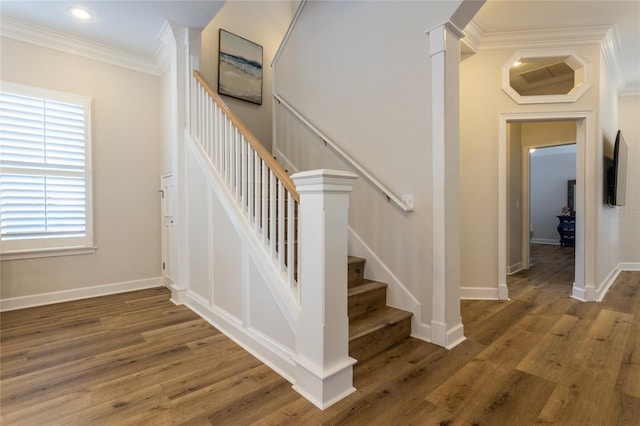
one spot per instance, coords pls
(611, 52)
(42, 37)
(473, 34)
(537, 38)
(605, 36)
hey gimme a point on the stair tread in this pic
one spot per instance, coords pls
(374, 320)
(354, 259)
(365, 286)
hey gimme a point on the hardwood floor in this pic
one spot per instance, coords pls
(135, 358)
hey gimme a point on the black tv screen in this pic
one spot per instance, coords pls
(617, 173)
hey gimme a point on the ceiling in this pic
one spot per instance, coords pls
(133, 26)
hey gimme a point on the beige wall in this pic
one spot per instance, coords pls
(481, 101)
(629, 111)
(608, 222)
(264, 23)
(126, 165)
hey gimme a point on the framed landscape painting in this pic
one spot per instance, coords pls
(240, 68)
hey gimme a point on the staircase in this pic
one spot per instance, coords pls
(373, 326)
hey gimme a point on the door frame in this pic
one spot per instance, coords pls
(526, 197)
(586, 199)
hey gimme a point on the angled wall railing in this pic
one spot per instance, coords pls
(388, 193)
(266, 194)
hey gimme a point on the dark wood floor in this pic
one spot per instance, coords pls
(540, 358)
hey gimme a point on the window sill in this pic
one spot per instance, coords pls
(53, 252)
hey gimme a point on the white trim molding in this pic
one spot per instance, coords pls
(606, 284)
(444, 51)
(539, 38)
(479, 293)
(629, 266)
(515, 268)
(13, 303)
(585, 200)
(548, 241)
(580, 65)
(548, 38)
(38, 36)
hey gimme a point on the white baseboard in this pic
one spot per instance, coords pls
(278, 357)
(479, 293)
(629, 266)
(515, 268)
(606, 284)
(30, 301)
(549, 241)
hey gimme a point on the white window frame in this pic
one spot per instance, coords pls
(58, 246)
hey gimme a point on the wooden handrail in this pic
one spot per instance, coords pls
(266, 156)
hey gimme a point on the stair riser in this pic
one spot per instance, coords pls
(378, 341)
(356, 274)
(364, 302)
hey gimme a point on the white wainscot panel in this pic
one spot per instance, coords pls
(199, 234)
(227, 262)
(266, 316)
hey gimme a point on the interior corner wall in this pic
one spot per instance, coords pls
(608, 233)
(482, 100)
(126, 169)
(628, 113)
(264, 23)
(360, 72)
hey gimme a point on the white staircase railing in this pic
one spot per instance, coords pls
(265, 192)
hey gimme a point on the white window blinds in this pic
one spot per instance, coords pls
(45, 181)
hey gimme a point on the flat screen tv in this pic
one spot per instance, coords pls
(617, 173)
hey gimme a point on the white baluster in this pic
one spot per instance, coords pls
(265, 201)
(281, 226)
(272, 214)
(291, 240)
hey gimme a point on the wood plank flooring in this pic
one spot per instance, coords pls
(135, 358)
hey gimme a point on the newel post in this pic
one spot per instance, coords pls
(324, 368)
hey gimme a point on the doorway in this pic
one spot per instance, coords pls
(583, 122)
(549, 177)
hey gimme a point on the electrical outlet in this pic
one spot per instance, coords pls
(407, 199)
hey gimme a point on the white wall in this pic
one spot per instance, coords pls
(549, 176)
(629, 111)
(264, 23)
(229, 283)
(482, 100)
(360, 71)
(126, 165)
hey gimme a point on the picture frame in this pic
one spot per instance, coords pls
(239, 68)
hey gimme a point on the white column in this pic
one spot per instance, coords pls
(324, 368)
(444, 49)
(175, 37)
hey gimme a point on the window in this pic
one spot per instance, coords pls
(45, 172)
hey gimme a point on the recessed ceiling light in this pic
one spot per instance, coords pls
(82, 14)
